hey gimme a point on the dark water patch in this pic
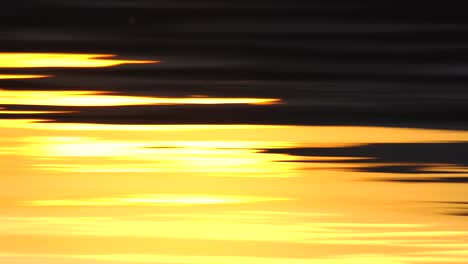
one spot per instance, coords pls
(398, 158)
(455, 153)
(427, 180)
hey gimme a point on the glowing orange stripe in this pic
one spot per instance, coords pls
(97, 98)
(40, 60)
(20, 112)
(158, 199)
(22, 76)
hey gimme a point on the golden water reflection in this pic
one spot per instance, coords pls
(27, 112)
(157, 199)
(100, 98)
(95, 193)
(23, 76)
(41, 60)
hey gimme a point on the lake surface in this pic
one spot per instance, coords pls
(77, 191)
(228, 132)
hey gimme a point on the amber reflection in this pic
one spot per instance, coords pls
(157, 199)
(213, 157)
(100, 98)
(97, 194)
(26, 112)
(41, 60)
(303, 135)
(81, 193)
(22, 76)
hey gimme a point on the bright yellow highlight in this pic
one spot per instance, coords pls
(22, 76)
(208, 157)
(41, 60)
(190, 194)
(26, 112)
(312, 135)
(159, 199)
(44, 124)
(209, 259)
(100, 98)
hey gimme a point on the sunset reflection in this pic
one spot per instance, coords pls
(157, 199)
(41, 60)
(233, 132)
(209, 157)
(104, 193)
(26, 112)
(22, 76)
(101, 98)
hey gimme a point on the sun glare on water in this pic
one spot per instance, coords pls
(100, 98)
(22, 76)
(157, 199)
(43, 60)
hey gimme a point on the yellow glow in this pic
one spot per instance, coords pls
(44, 124)
(41, 60)
(98, 147)
(100, 98)
(22, 76)
(25, 112)
(158, 199)
(309, 135)
(349, 259)
(196, 259)
(213, 157)
(222, 226)
(91, 193)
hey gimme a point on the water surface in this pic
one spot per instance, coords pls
(208, 132)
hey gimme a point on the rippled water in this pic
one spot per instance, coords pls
(221, 193)
(90, 193)
(233, 132)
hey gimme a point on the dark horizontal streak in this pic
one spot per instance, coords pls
(235, 114)
(427, 180)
